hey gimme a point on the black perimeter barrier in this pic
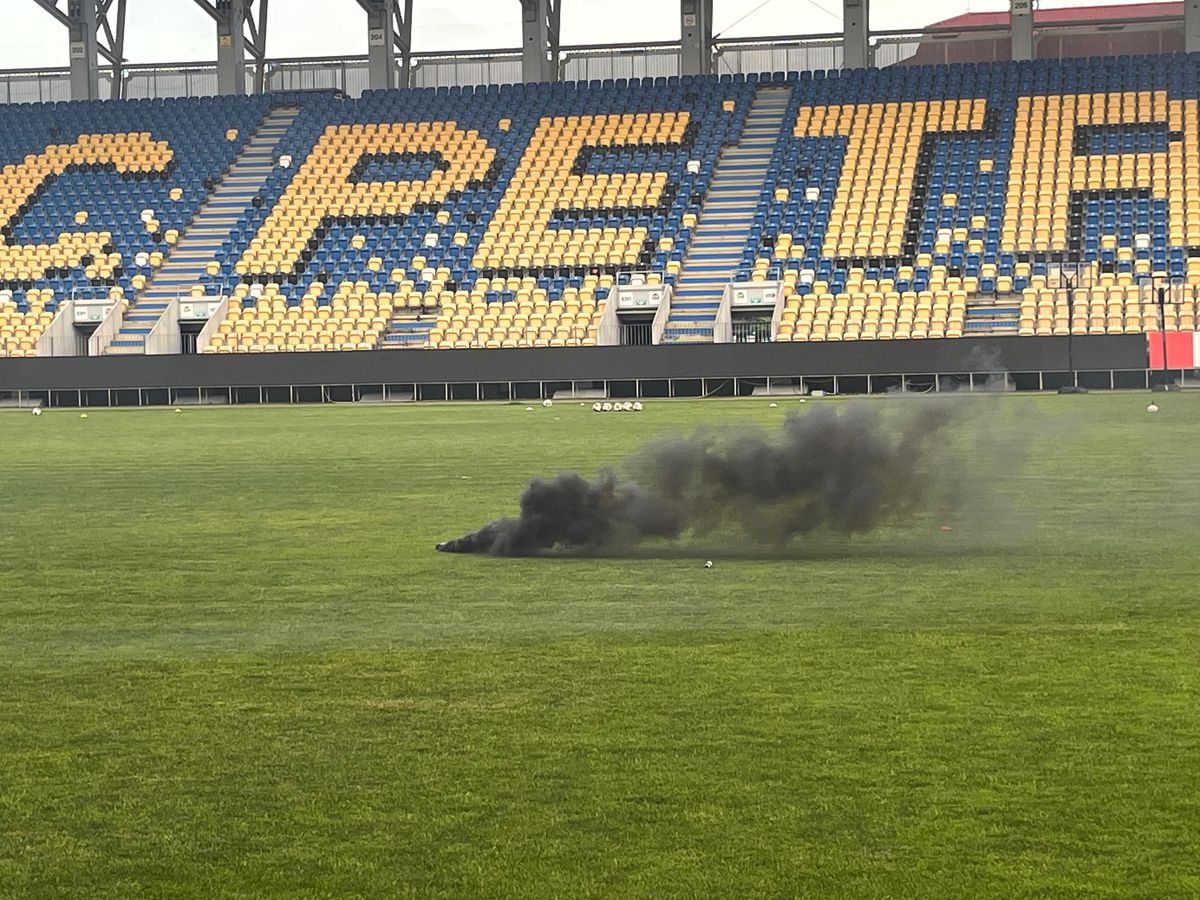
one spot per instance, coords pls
(1032, 362)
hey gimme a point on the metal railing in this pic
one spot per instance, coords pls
(586, 62)
(750, 332)
(73, 343)
(577, 336)
(98, 394)
(637, 334)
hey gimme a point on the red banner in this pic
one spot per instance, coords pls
(1181, 349)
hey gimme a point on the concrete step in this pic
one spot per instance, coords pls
(175, 276)
(203, 249)
(720, 258)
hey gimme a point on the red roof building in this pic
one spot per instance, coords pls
(1132, 28)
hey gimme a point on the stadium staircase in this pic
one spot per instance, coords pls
(725, 221)
(992, 315)
(201, 242)
(408, 328)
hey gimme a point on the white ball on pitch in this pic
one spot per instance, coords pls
(547, 403)
(708, 564)
(1153, 407)
(597, 407)
(606, 406)
(773, 405)
(627, 406)
(37, 410)
(637, 406)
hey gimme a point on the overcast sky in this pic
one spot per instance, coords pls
(178, 30)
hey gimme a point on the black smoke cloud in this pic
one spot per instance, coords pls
(842, 469)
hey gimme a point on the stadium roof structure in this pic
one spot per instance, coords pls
(98, 67)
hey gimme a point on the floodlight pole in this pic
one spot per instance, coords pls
(1160, 294)
(1071, 387)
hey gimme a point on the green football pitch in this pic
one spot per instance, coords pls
(231, 664)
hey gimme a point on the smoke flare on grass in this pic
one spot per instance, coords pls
(841, 469)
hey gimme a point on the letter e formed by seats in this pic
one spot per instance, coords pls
(533, 227)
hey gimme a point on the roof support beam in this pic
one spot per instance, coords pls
(257, 44)
(403, 19)
(1021, 25)
(51, 6)
(85, 71)
(116, 41)
(856, 47)
(695, 37)
(389, 32)
(91, 36)
(231, 47)
(540, 24)
(239, 29)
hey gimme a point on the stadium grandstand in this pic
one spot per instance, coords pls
(702, 462)
(889, 198)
